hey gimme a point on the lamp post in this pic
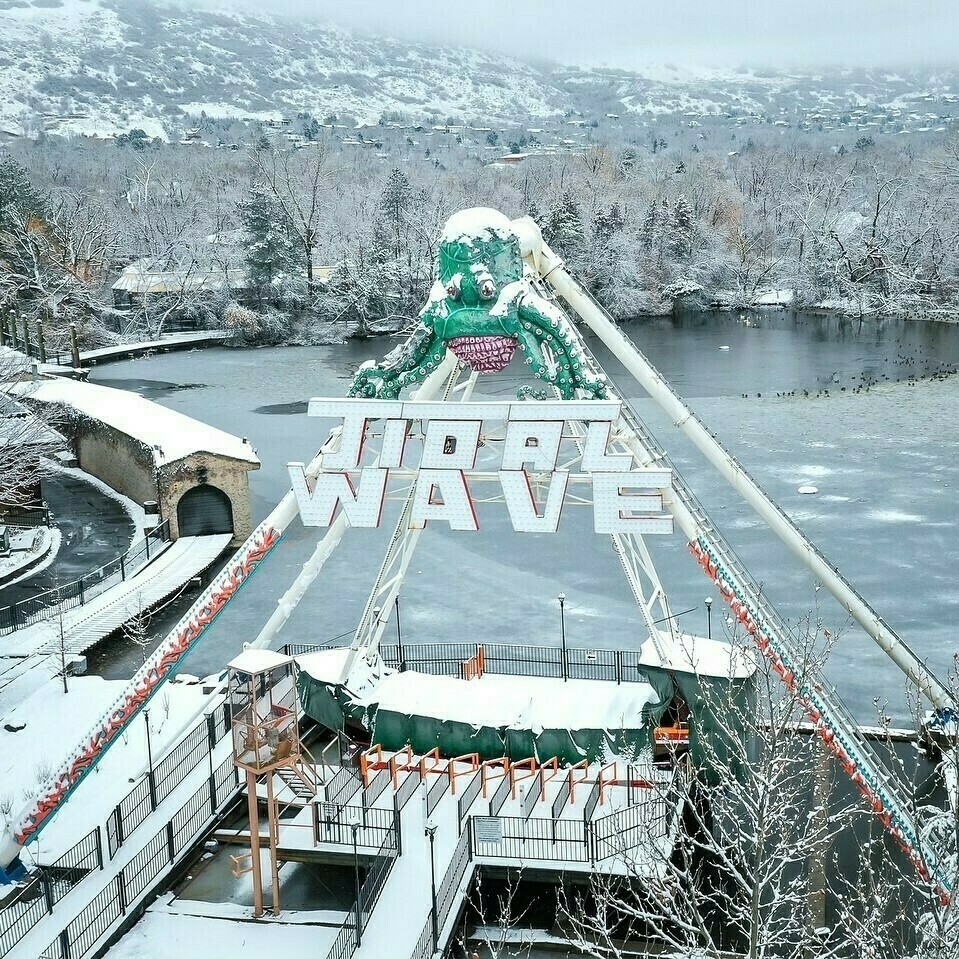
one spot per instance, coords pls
(151, 781)
(562, 628)
(431, 833)
(356, 879)
(399, 635)
(709, 617)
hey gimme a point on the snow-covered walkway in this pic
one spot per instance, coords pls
(83, 627)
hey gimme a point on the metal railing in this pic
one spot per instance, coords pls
(500, 796)
(115, 900)
(25, 517)
(468, 796)
(343, 786)
(437, 791)
(134, 809)
(375, 828)
(52, 602)
(446, 894)
(38, 898)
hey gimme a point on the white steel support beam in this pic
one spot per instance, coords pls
(551, 268)
(288, 602)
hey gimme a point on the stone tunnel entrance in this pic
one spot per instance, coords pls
(204, 511)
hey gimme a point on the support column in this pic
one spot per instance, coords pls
(254, 844)
(273, 819)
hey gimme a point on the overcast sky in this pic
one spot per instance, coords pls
(630, 33)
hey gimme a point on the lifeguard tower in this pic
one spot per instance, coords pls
(266, 743)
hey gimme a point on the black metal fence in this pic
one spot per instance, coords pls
(568, 840)
(372, 792)
(372, 827)
(446, 894)
(133, 810)
(47, 888)
(346, 942)
(164, 848)
(344, 785)
(410, 785)
(505, 659)
(25, 517)
(81, 591)
(501, 795)
(468, 796)
(437, 791)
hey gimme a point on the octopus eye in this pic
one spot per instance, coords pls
(453, 288)
(487, 289)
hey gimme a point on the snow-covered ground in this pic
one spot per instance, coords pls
(26, 548)
(53, 719)
(162, 934)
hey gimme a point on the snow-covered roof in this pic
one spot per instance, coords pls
(143, 277)
(169, 435)
(699, 655)
(258, 661)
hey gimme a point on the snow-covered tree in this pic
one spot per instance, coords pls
(746, 876)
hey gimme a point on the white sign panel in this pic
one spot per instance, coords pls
(487, 829)
(533, 486)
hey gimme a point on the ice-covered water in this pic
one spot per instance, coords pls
(884, 462)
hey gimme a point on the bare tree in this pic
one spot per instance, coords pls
(298, 181)
(498, 917)
(746, 873)
(25, 439)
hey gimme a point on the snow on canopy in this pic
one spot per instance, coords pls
(169, 435)
(519, 702)
(478, 223)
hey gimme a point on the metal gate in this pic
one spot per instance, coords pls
(204, 511)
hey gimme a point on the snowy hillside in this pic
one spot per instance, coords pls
(106, 66)
(109, 65)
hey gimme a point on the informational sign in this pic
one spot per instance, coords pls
(533, 473)
(487, 829)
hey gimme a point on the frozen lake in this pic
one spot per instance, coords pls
(884, 462)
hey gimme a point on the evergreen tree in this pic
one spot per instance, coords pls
(274, 258)
(681, 228)
(564, 226)
(17, 194)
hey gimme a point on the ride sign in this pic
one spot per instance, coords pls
(534, 469)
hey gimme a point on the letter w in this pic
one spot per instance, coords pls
(363, 507)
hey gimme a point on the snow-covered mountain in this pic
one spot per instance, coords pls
(110, 65)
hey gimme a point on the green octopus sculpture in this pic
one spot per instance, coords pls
(482, 307)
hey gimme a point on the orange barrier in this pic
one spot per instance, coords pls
(475, 666)
(401, 760)
(551, 766)
(367, 763)
(582, 765)
(433, 754)
(603, 782)
(526, 766)
(471, 758)
(502, 764)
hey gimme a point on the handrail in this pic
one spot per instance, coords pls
(502, 764)
(48, 603)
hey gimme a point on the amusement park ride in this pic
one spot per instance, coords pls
(571, 439)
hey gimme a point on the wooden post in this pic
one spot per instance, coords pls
(13, 333)
(27, 348)
(3, 329)
(273, 820)
(74, 347)
(41, 345)
(254, 844)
